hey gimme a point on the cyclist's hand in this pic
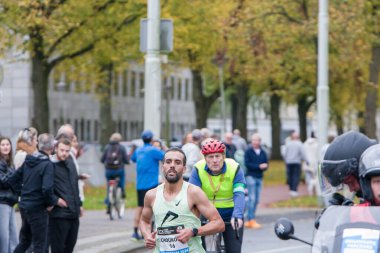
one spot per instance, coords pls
(184, 235)
(150, 240)
(49, 208)
(239, 223)
(61, 203)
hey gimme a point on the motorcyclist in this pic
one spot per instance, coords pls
(369, 176)
(340, 164)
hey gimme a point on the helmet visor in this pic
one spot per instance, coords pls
(326, 188)
(336, 171)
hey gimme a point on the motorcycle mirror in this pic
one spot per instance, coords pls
(284, 229)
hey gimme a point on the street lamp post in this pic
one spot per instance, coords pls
(152, 99)
(167, 112)
(222, 99)
(323, 66)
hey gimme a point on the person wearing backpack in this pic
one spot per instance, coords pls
(114, 158)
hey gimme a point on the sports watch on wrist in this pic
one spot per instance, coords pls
(195, 232)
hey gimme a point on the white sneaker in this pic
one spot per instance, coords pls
(293, 194)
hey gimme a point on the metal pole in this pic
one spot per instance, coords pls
(323, 67)
(222, 101)
(167, 118)
(152, 90)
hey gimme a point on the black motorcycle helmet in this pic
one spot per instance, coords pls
(369, 166)
(342, 156)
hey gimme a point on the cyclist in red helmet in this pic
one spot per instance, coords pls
(223, 182)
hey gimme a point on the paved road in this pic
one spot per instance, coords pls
(265, 241)
(98, 234)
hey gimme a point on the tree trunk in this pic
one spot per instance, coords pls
(201, 102)
(360, 121)
(40, 79)
(234, 109)
(339, 124)
(107, 126)
(371, 98)
(302, 118)
(275, 102)
(239, 113)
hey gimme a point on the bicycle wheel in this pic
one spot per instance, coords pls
(112, 201)
(220, 243)
(212, 243)
(119, 203)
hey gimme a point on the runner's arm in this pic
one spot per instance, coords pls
(205, 207)
(146, 216)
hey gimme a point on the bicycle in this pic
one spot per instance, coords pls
(215, 243)
(116, 202)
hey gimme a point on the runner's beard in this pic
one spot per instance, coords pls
(173, 179)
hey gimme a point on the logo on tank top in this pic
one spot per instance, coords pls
(179, 201)
(168, 214)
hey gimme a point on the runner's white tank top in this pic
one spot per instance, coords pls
(172, 215)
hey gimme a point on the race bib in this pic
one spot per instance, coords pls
(167, 238)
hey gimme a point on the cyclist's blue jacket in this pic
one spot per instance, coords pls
(147, 158)
(239, 202)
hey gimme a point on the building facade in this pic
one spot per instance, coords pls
(78, 105)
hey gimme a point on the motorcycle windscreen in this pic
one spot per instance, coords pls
(348, 229)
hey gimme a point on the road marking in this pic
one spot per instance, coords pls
(284, 249)
(97, 238)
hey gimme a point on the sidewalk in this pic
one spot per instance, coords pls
(98, 234)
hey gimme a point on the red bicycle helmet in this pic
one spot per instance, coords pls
(213, 146)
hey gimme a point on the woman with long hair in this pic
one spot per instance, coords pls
(8, 231)
(26, 145)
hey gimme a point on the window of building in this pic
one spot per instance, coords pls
(88, 131)
(187, 88)
(142, 84)
(76, 127)
(81, 130)
(124, 82)
(132, 91)
(96, 129)
(180, 87)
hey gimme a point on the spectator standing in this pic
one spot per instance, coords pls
(64, 220)
(230, 147)
(26, 145)
(294, 154)
(256, 162)
(68, 131)
(114, 159)
(193, 152)
(35, 181)
(8, 230)
(239, 142)
(187, 138)
(311, 151)
(147, 159)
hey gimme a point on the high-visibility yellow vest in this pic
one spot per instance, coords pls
(219, 189)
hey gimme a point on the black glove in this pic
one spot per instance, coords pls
(339, 200)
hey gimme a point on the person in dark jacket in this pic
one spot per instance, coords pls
(114, 158)
(34, 180)
(230, 147)
(256, 161)
(8, 230)
(64, 221)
